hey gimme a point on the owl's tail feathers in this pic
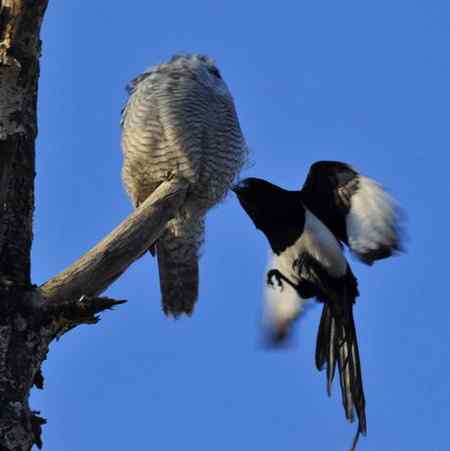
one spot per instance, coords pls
(178, 273)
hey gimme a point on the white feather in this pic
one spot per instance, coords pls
(319, 243)
(371, 222)
(283, 304)
(322, 245)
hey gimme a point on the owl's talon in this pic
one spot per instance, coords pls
(170, 175)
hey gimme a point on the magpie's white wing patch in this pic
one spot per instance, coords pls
(321, 244)
(372, 222)
(355, 208)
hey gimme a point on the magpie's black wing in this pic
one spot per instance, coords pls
(355, 208)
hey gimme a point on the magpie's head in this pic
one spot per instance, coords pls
(274, 210)
(260, 199)
(256, 192)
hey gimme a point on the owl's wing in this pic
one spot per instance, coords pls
(131, 89)
(355, 208)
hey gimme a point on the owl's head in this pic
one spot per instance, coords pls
(196, 60)
(204, 69)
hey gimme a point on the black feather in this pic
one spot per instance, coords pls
(337, 343)
(275, 211)
(327, 192)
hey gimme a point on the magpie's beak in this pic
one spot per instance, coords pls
(239, 188)
(236, 188)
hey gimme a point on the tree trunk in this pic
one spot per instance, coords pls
(21, 346)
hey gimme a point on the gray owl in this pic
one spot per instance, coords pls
(180, 121)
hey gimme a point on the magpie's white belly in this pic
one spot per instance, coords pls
(317, 241)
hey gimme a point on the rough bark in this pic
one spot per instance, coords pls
(31, 317)
(21, 348)
(19, 72)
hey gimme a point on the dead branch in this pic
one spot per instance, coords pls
(105, 262)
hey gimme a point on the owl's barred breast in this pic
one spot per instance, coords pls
(180, 120)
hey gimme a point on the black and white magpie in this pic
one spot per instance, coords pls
(306, 230)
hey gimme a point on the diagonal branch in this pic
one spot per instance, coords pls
(105, 262)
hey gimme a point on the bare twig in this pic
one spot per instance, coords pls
(104, 263)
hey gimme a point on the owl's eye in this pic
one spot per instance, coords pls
(215, 72)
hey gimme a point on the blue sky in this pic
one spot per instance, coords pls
(361, 82)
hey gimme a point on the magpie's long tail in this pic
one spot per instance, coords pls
(337, 344)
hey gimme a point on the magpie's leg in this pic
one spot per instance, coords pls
(279, 277)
